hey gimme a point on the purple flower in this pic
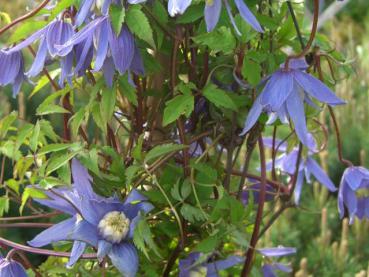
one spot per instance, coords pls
(269, 268)
(286, 163)
(11, 70)
(104, 223)
(178, 6)
(255, 189)
(214, 7)
(11, 268)
(284, 96)
(353, 193)
(112, 51)
(56, 33)
(192, 265)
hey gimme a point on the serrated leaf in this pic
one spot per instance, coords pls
(107, 105)
(139, 24)
(192, 214)
(179, 105)
(55, 147)
(4, 205)
(251, 71)
(50, 109)
(220, 39)
(30, 192)
(6, 123)
(117, 15)
(34, 138)
(162, 150)
(76, 120)
(142, 238)
(59, 160)
(218, 97)
(44, 80)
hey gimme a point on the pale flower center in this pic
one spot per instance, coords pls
(200, 271)
(114, 226)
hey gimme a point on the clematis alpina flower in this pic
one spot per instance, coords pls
(353, 193)
(269, 266)
(104, 223)
(11, 268)
(214, 7)
(285, 94)
(112, 52)
(54, 34)
(87, 6)
(286, 163)
(11, 70)
(192, 267)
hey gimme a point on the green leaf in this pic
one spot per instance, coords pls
(50, 109)
(192, 214)
(117, 15)
(55, 147)
(76, 120)
(162, 150)
(107, 104)
(34, 138)
(209, 244)
(142, 238)
(193, 13)
(30, 192)
(139, 24)
(219, 97)
(179, 105)
(61, 6)
(4, 205)
(160, 12)
(251, 71)
(7, 122)
(220, 39)
(44, 80)
(126, 90)
(4, 17)
(59, 160)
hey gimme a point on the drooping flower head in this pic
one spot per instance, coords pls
(104, 223)
(193, 267)
(270, 266)
(11, 70)
(112, 52)
(287, 161)
(284, 96)
(55, 33)
(353, 193)
(11, 268)
(213, 9)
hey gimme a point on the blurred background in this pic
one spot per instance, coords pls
(326, 245)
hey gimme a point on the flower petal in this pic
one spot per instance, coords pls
(299, 184)
(252, 116)
(86, 232)
(231, 261)
(58, 232)
(268, 271)
(39, 62)
(82, 180)
(230, 15)
(58, 33)
(316, 88)
(10, 64)
(212, 13)
(319, 174)
(295, 108)
(248, 16)
(77, 251)
(102, 47)
(103, 249)
(28, 41)
(124, 257)
(84, 11)
(277, 90)
(84, 53)
(277, 251)
(178, 6)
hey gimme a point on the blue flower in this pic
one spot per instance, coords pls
(255, 190)
(214, 7)
(112, 51)
(104, 223)
(11, 268)
(286, 163)
(284, 96)
(11, 70)
(269, 267)
(353, 193)
(55, 33)
(192, 265)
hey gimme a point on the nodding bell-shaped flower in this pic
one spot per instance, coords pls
(11, 268)
(284, 96)
(354, 193)
(55, 33)
(107, 224)
(112, 52)
(270, 266)
(11, 70)
(213, 9)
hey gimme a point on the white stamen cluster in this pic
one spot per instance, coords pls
(114, 226)
(200, 271)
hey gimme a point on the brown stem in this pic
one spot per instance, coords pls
(172, 259)
(259, 214)
(29, 217)
(24, 17)
(311, 39)
(26, 225)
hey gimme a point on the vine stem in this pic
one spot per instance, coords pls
(314, 29)
(24, 17)
(42, 251)
(259, 214)
(296, 24)
(26, 225)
